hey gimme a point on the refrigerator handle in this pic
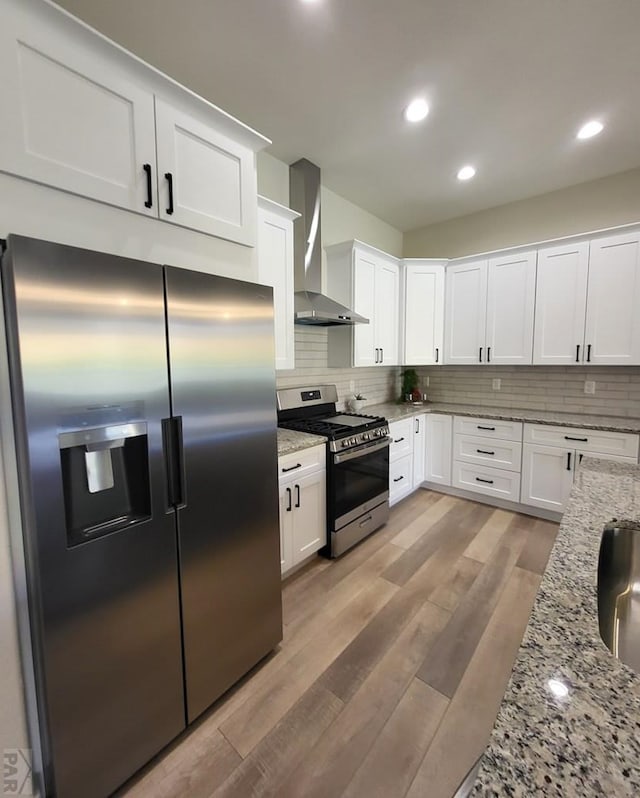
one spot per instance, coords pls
(173, 446)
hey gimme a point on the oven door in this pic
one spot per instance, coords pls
(359, 480)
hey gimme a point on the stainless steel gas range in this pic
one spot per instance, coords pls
(357, 462)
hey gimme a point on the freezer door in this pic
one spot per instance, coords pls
(88, 372)
(223, 388)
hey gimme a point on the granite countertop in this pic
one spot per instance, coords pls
(588, 743)
(393, 412)
(291, 441)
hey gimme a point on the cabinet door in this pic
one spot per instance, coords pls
(400, 479)
(286, 527)
(419, 450)
(612, 331)
(438, 448)
(547, 476)
(465, 317)
(386, 313)
(561, 299)
(310, 515)
(364, 303)
(207, 181)
(424, 315)
(70, 118)
(511, 286)
(275, 268)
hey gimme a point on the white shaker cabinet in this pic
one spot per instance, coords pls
(275, 268)
(82, 115)
(438, 448)
(419, 450)
(303, 524)
(466, 312)
(561, 297)
(423, 328)
(547, 476)
(612, 327)
(368, 281)
(489, 310)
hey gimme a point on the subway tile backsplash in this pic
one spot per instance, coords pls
(557, 389)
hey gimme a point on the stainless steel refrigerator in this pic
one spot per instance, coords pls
(143, 402)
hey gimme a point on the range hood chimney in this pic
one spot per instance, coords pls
(311, 305)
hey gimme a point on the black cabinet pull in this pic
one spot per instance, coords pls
(580, 456)
(487, 481)
(568, 461)
(484, 451)
(488, 354)
(398, 479)
(437, 354)
(480, 355)
(489, 429)
(149, 202)
(589, 353)
(417, 426)
(377, 361)
(382, 355)
(297, 495)
(292, 468)
(570, 438)
(398, 440)
(289, 505)
(577, 353)
(169, 179)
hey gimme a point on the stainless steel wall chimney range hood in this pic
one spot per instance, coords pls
(311, 305)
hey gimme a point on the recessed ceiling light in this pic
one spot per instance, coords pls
(591, 128)
(417, 110)
(466, 173)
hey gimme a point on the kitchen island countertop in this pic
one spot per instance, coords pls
(587, 743)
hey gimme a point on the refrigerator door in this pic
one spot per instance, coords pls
(223, 388)
(88, 371)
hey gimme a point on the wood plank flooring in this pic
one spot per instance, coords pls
(392, 668)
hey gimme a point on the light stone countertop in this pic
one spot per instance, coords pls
(291, 441)
(587, 744)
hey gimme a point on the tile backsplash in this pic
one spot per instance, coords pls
(557, 388)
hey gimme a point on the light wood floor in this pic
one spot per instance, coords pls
(392, 668)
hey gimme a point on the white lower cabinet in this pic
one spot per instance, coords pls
(303, 526)
(490, 481)
(548, 468)
(419, 450)
(400, 478)
(438, 449)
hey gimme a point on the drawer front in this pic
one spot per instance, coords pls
(489, 481)
(400, 478)
(624, 444)
(401, 433)
(298, 464)
(488, 428)
(496, 454)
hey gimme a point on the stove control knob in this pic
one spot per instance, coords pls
(345, 443)
(365, 436)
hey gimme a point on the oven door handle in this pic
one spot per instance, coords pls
(360, 451)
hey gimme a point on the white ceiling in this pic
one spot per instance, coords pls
(508, 81)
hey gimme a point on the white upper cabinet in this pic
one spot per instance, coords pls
(561, 296)
(612, 329)
(70, 119)
(82, 115)
(511, 290)
(489, 310)
(275, 268)
(207, 180)
(466, 312)
(423, 333)
(368, 281)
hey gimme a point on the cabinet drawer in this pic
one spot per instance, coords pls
(400, 478)
(586, 440)
(489, 481)
(298, 464)
(488, 428)
(401, 433)
(496, 453)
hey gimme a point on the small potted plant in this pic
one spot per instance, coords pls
(357, 402)
(410, 392)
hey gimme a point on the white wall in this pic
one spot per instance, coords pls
(273, 178)
(595, 205)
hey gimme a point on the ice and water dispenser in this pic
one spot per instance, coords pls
(105, 475)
